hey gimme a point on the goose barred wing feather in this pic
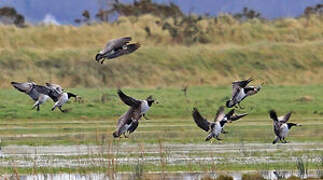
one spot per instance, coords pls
(22, 87)
(130, 48)
(201, 121)
(219, 115)
(132, 102)
(116, 43)
(57, 87)
(53, 94)
(27, 88)
(285, 118)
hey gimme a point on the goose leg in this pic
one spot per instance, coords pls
(217, 138)
(62, 110)
(223, 131)
(38, 107)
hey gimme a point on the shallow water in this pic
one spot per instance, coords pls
(270, 175)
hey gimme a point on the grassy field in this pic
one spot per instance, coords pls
(286, 51)
(170, 120)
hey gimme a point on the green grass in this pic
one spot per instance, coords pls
(170, 120)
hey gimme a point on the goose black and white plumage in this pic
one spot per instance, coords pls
(129, 121)
(281, 127)
(116, 48)
(29, 89)
(56, 94)
(215, 128)
(240, 91)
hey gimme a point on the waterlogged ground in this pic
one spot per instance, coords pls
(172, 154)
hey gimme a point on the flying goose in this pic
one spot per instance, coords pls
(28, 88)
(240, 91)
(281, 127)
(116, 48)
(215, 128)
(129, 121)
(55, 93)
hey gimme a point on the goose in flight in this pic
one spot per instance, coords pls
(56, 93)
(29, 89)
(240, 91)
(281, 127)
(116, 48)
(215, 128)
(129, 121)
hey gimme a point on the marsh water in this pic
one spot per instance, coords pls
(237, 175)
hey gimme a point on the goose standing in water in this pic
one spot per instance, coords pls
(56, 93)
(129, 121)
(29, 89)
(281, 127)
(116, 48)
(240, 91)
(215, 128)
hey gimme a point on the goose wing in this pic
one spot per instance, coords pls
(129, 49)
(285, 118)
(57, 87)
(22, 87)
(128, 100)
(219, 115)
(52, 93)
(27, 88)
(237, 116)
(133, 126)
(273, 115)
(235, 90)
(200, 120)
(115, 44)
(243, 83)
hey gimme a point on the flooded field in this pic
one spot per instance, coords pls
(270, 175)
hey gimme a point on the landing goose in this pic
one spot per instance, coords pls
(240, 91)
(215, 128)
(129, 121)
(28, 88)
(58, 96)
(116, 48)
(281, 127)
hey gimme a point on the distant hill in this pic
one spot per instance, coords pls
(65, 11)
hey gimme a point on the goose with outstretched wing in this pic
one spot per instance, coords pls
(116, 48)
(129, 121)
(281, 127)
(215, 128)
(28, 88)
(240, 91)
(59, 97)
